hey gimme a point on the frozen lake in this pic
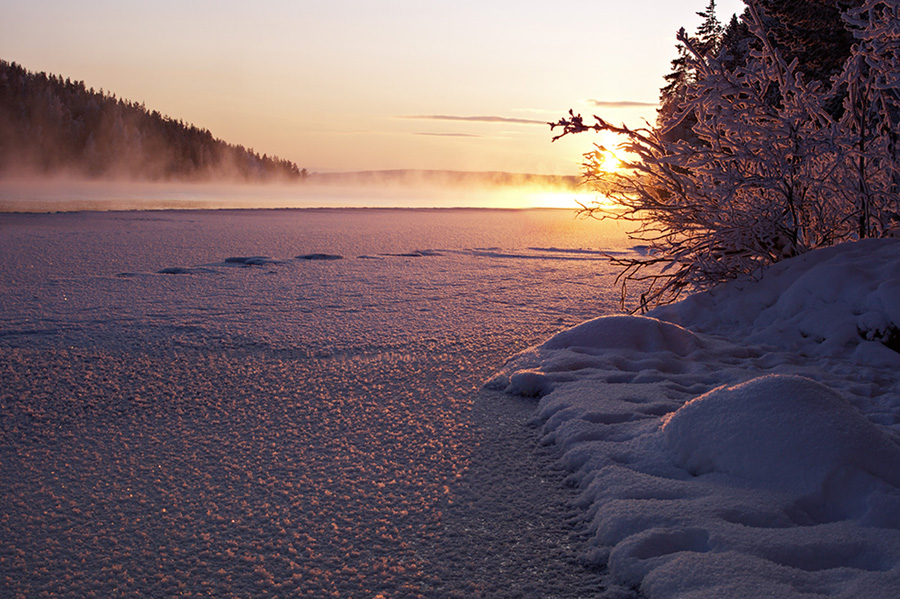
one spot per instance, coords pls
(201, 403)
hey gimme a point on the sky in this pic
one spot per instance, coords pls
(344, 85)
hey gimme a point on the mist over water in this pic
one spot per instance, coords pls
(70, 195)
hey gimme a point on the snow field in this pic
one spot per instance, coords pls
(217, 475)
(744, 442)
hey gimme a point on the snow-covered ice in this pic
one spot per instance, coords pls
(173, 422)
(742, 443)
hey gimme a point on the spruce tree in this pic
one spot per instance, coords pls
(813, 32)
(709, 33)
(674, 95)
(736, 43)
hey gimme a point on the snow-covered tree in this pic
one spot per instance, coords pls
(770, 172)
(870, 123)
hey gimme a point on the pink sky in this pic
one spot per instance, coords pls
(353, 84)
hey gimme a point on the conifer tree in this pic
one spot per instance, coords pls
(811, 31)
(674, 95)
(709, 33)
(50, 125)
(736, 43)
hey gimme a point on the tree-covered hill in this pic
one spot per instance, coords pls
(55, 126)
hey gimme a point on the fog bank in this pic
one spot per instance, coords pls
(390, 189)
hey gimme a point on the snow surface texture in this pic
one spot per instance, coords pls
(742, 443)
(191, 405)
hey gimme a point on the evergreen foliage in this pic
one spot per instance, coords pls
(49, 125)
(709, 33)
(812, 31)
(735, 43)
(680, 81)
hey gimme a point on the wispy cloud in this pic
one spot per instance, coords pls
(622, 104)
(536, 110)
(475, 119)
(446, 134)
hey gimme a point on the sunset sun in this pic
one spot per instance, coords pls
(607, 152)
(607, 161)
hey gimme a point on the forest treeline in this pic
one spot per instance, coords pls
(55, 126)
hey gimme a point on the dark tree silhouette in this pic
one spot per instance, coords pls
(813, 32)
(681, 80)
(51, 125)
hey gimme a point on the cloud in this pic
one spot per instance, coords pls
(475, 119)
(622, 104)
(535, 110)
(447, 134)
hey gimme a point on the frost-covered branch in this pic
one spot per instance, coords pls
(768, 173)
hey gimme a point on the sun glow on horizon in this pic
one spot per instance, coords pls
(607, 154)
(575, 200)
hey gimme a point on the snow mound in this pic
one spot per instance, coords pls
(742, 443)
(627, 333)
(528, 383)
(786, 432)
(581, 351)
(836, 302)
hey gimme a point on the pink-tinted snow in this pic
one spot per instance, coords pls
(187, 408)
(744, 442)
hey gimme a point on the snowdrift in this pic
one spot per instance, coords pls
(744, 442)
